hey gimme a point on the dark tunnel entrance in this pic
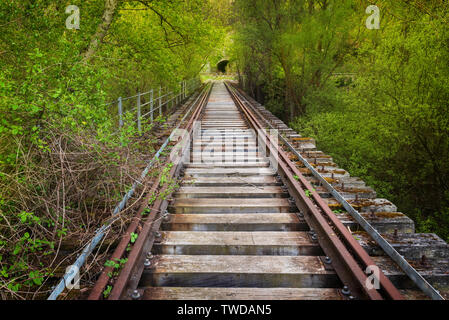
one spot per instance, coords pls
(222, 65)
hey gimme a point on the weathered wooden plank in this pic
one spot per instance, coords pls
(410, 245)
(435, 271)
(364, 205)
(383, 222)
(236, 222)
(228, 171)
(179, 293)
(222, 155)
(226, 149)
(237, 243)
(235, 181)
(222, 142)
(222, 126)
(226, 133)
(224, 122)
(253, 164)
(214, 160)
(348, 193)
(231, 192)
(244, 205)
(239, 271)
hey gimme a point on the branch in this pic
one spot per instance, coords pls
(103, 27)
(163, 19)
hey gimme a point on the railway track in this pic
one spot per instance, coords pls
(243, 222)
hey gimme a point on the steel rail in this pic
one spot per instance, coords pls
(129, 277)
(337, 242)
(99, 234)
(411, 272)
(119, 251)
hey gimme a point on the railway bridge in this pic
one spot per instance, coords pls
(246, 208)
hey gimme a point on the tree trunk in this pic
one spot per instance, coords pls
(110, 7)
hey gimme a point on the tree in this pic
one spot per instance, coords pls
(297, 45)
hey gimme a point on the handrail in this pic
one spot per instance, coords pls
(156, 102)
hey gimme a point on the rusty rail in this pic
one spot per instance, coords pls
(348, 258)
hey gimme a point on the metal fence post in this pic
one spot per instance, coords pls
(160, 100)
(139, 115)
(151, 104)
(169, 99)
(180, 92)
(120, 112)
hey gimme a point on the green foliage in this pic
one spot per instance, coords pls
(116, 265)
(309, 193)
(287, 50)
(387, 120)
(134, 237)
(107, 291)
(390, 125)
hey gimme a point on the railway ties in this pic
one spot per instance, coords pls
(233, 233)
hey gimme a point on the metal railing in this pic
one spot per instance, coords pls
(154, 101)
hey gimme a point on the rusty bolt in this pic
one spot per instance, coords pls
(135, 295)
(157, 234)
(395, 234)
(147, 263)
(150, 255)
(424, 260)
(327, 260)
(345, 291)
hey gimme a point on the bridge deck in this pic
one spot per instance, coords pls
(232, 228)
